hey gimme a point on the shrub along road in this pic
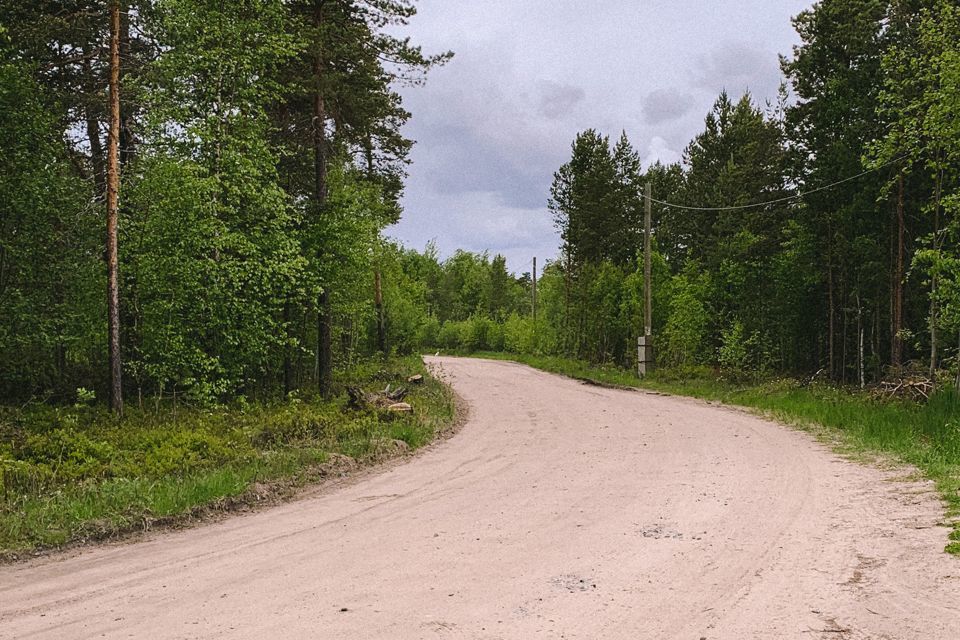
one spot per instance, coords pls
(559, 510)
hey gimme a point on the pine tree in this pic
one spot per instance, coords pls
(342, 100)
(113, 205)
(835, 73)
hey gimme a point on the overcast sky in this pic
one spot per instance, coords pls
(495, 123)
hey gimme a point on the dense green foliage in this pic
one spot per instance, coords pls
(260, 156)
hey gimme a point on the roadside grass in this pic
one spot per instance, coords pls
(74, 474)
(926, 436)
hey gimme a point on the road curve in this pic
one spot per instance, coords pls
(559, 511)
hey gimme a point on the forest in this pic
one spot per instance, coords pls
(194, 196)
(226, 167)
(196, 275)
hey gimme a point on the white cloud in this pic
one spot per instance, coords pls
(662, 151)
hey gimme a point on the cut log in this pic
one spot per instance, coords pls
(401, 407)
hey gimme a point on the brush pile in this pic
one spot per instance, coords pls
(391, 399)
(917, 388)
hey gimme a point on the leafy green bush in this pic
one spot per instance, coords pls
(495, 337)
(469, 338)
(481, 333)
(185, 451)
(69, 455)
(733, 354)
(687, 325)
(294, 423)
(518, 334)
(428, 334)
(449, 335)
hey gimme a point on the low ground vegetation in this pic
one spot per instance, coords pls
(76, 473)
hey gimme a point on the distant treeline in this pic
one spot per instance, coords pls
(818, 233)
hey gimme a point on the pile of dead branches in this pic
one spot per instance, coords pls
(386, 399)
(391, 399)
(918, 388)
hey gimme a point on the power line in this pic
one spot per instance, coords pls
(779, 200)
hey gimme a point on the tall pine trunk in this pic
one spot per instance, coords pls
(126, 138)
(113, 188)
(324, 305)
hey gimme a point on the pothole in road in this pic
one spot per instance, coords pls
(660, 532)
(573, 583)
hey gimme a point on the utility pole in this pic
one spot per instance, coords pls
(113, 207)
(645, 342)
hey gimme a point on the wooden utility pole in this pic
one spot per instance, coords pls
(645, 342)
(647, 267)
(113, 206)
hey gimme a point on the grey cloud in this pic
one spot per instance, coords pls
(465, 159)
(494, 124)
(666, 105)
(491, 140)
(478, 222)
(558, 100)
(737, 67)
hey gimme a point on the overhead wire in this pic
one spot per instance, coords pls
(795, 196)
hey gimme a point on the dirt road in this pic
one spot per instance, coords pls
(559, 511)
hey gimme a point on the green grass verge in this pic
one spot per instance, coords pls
(926, 436)
(71, 474)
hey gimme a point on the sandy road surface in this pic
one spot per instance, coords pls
(559, 511)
